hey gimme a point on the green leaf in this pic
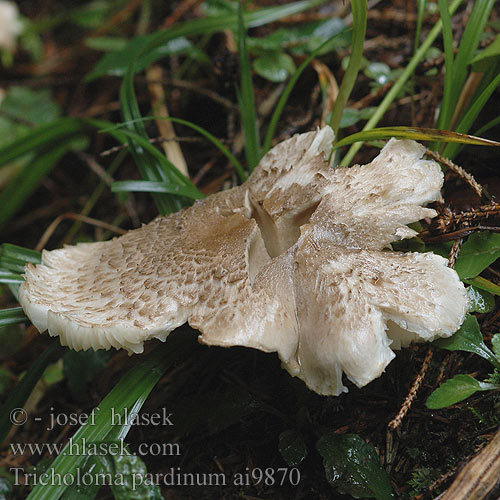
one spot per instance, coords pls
(292, 447)
(495, 344)
(477, 253)
(117, 63)
(80, 368)
(134, 483)
(468, 338)
(457, 389)
(274, 66)
(352, 466)
(304, 39)
(480, 300)
(34, 107)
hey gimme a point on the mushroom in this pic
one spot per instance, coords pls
(10, 25)
(297, 260)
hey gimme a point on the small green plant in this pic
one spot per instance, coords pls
(460, 387)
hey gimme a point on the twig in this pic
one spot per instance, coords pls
(395, 423)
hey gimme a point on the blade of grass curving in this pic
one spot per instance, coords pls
(155, 187)
(468, 119)
(116, 63)
(218, 144)
(358, 39)
(15, 193)
(249, 121)
(7, 276)
(398, 85)
(14, 257)
(474, 29)
(273, 122)
(484, 284)
(487, 126)
(12, 410)
(131, 391)
(43, 136)
(446, 110)
(415, 133)
(12, 316)
(148, 166)
(421, 4)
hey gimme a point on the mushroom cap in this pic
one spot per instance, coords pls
(297, 261)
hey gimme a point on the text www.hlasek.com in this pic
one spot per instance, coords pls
(82, 447)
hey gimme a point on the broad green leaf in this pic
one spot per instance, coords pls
(117, 63)
(80, 368)
(457, 389)
(352, 467)
(480, 300)
(33, 106)
(495, 344)
(468, 338)
(477, 253)
(133, 483)
(292, 447)
(304, 39)
(274, 66)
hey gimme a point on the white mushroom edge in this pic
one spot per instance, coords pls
(297, 261)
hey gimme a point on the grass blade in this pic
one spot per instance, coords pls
(358, 38)
(249, 122)
(415, 133)
(236, 164)
(12, 316)
(23, 389)
(446, 109)
(131, 391)
(25, 183)
(398, 85)
(116, 63)
(466, 122)
(155, 187)
(271, 129)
